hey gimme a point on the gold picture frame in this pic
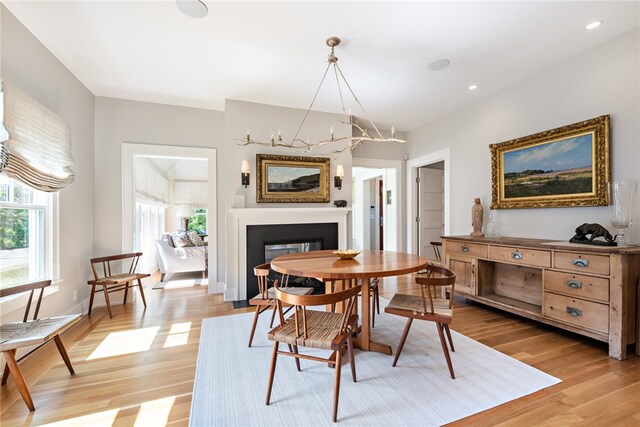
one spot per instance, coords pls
(562, 167)
(292, 179)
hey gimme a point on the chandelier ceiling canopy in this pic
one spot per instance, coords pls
(367, 133)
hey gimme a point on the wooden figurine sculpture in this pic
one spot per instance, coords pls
(477, 213)
(587, 233)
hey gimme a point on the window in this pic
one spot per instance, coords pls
(25, 233)
(198, 221)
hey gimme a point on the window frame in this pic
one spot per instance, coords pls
(50, 246)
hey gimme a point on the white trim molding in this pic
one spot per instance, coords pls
(129, 151)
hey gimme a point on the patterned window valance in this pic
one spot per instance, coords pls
(38, 144)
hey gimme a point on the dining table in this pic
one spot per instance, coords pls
(367, 265)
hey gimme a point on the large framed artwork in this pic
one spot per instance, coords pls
(292, 179)
(562, 167)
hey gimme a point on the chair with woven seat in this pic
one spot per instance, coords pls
(266, 297)
(316, 329)
(35, 332)
(431, 305)
(111, 282)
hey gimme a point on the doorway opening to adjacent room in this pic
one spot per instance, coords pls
(376, 200)
(168, 189)
(428, 182)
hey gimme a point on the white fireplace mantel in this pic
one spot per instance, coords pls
(240, 218)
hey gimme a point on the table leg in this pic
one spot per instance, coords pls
(366, 313)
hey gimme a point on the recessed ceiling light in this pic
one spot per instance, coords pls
(439, 64)
(594, 24)
(473, 87)
(192, 8)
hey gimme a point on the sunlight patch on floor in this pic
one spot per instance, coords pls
(178, 335)
(154, 412)
(97, 419)
(125, 342)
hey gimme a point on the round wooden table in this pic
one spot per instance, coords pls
(367, 265)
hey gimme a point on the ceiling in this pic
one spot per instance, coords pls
(275, 52)
(181, 169)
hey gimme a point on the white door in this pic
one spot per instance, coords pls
(430, 209)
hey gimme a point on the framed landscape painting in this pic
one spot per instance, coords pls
(292, 179)
(566, 166)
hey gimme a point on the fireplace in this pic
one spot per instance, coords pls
(265, 242)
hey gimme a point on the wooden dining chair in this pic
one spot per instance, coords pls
(316, 329)
(431, 305)
(111, 281)
(34, 332)
(437, 247)
(266, 297)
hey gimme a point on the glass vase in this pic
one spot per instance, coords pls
(622, 206)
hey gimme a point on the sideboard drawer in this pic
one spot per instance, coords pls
(475, 250)
(581, 313)
(577, 285)
(524, 256)
(582, 263)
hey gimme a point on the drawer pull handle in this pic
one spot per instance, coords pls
(579, 262)
(576, 312)
(517, 255)
(464, 249)
(574, 284)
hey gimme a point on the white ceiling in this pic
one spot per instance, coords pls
(182, 169)
(275, 52)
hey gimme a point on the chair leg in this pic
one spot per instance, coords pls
(294, 349)
(402, 340)
(63, 353)
(5, 374)
(446, 329)
(273, 315)
(144, 301)
(376, 293)
(445, 349)
(373, 309)
(352, 359)
(106, 298)
(93, 293)
(19, 379)
(272, 369)
(126, 292)
(253, 324)
(336, 387)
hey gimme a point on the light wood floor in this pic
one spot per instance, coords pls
(153, 385)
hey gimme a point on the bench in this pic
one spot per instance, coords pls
(31, 332)
(108, 282)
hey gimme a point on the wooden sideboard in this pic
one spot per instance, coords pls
(589, 290)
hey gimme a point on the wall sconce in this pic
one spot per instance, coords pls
(246, 169)
(337, 180)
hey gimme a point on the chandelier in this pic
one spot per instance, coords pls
(367, 133)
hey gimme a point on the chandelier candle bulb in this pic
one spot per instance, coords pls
(393, 132)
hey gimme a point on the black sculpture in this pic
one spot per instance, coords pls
(587, 233)
(340, 203)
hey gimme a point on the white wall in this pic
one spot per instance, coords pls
(31, 67)
(603, 80)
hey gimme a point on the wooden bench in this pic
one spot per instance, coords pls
(31, 332)
(115, 282)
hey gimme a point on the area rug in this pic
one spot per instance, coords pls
(182, 280)
(231, 380)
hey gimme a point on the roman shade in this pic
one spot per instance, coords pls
(38, 144)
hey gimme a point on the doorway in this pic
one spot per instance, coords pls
(159, 159)
(428, 182)
(376, 219)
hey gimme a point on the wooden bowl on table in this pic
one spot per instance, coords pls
(347, 253)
